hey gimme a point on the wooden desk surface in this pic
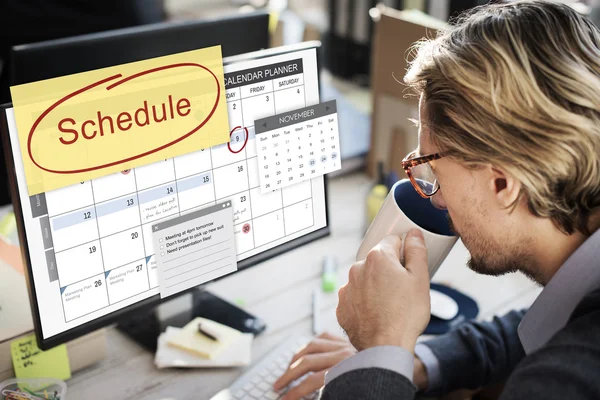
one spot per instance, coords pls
(281, 295)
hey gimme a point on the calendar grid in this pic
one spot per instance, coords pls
(251, 124)
(212, 180)
(108, 305)
(275, 240)
(124, 230)
(99, 241)
(166, 189)
(274, 91)
(176, 187)
(137, 197)
(281, 194)
(250, 197)
(196, 207)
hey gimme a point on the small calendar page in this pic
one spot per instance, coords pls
(297, 145)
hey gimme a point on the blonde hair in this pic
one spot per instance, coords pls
(517, 85)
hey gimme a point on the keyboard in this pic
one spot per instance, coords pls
(257, 382)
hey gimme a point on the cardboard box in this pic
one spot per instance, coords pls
(395, 32)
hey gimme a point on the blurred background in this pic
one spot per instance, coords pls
(364, 52)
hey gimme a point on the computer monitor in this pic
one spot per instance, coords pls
(87, 247)
(237, 34)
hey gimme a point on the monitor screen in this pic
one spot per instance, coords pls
(89, 246)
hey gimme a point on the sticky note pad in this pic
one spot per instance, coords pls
(190, 340)
(83, 126)
(194, 248)
(31, 362)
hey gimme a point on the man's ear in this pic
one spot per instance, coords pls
(504, 186)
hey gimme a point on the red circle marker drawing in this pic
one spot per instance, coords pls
(126, 171)
(246, 228)
(245, 140)
(111, 86)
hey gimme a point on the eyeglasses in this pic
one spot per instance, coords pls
(421, 174)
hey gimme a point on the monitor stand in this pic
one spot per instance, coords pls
(144, 327)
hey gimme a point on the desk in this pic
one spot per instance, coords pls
(282, 296)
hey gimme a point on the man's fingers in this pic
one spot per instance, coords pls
(415, 253)
(391, 244)
(318, 345)
(312, 383)
(308, 363)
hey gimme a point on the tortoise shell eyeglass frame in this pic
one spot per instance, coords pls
(408, 162)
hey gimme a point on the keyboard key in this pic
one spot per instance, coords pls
(259, 385)
(264, 386)
(271, 395)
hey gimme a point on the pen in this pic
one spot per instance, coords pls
(206, 332)
(316, 307)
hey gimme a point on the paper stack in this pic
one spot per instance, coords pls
(187, 348)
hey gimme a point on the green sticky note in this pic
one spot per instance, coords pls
(31, 362)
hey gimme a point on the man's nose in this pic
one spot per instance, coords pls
(438, 200)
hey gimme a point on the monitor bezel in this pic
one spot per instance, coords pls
(73, 45)
(153, 301)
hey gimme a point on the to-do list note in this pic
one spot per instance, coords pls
(31, 362)
(194, 248)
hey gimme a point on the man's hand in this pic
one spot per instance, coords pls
(385, 303)
(321, 354)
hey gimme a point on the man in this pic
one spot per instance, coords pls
(510, 111)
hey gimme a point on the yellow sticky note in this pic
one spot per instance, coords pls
(8, 224)
(31, 362)
(190, 340)
(83, 126)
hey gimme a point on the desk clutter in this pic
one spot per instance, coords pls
(33, 389)
(203, 343)
(464, 308)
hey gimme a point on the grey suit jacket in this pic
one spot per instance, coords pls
(566, 367)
